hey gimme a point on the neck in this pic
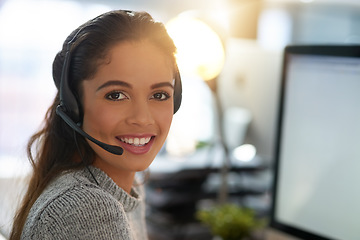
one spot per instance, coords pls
(125, 182)
(124, 179)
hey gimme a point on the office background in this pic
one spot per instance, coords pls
(253, 33)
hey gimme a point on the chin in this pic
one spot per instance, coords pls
(137, 164)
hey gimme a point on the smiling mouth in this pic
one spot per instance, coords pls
(137, 142)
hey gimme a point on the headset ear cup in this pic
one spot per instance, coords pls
(68, 101)
(177, 92)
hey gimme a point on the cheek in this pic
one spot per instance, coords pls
(164, 119)
(96, 116)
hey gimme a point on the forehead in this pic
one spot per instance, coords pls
(141, 49)
(135, 61)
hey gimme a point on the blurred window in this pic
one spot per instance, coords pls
(32, 32)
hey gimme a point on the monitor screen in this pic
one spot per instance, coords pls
(316, 193)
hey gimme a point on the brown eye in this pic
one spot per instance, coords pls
(115, 96)
(161, 96)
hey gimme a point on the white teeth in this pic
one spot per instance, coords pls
(136, 141)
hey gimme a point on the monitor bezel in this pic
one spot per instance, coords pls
(313, 50)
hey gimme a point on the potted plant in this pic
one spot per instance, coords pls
(230, 222)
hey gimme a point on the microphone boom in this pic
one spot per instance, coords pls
(110, 148)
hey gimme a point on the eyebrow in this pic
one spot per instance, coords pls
(114, 83)
(125, 84)
(162, 84)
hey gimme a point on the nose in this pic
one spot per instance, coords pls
(141, 114)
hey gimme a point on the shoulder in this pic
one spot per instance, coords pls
(79, 198)
(74, 207)
(70, 192)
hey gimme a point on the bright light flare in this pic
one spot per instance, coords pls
(245, 152)
(199, 48)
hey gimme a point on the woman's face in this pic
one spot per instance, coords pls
(129, 103)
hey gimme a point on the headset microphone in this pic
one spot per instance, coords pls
(110, 148)
(68, 109)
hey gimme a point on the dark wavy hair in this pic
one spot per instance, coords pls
(57, 146)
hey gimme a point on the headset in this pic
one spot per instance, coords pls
(69, 109)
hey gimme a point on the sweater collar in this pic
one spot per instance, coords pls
(129, 201)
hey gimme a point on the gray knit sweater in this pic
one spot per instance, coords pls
(73, 206)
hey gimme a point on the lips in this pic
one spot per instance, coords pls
(136, 144)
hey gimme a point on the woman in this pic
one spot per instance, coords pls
(118, 86)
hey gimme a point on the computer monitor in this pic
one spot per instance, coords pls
(316, 193)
